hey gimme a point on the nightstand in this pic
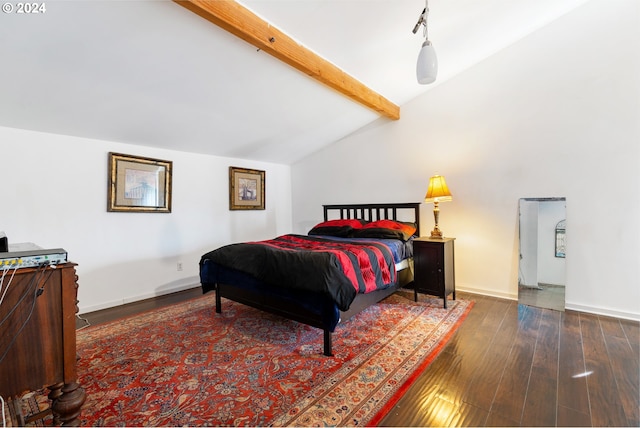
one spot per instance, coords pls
(434, 267)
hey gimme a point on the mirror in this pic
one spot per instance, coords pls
(541, 271)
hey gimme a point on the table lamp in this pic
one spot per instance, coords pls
(436, 193)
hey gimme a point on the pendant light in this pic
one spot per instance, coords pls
(427, 65)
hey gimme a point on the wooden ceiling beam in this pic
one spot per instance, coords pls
(243, 23)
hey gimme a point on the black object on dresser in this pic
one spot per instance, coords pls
(434, 267)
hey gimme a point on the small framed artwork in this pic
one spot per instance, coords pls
(139, 184)
(246, 189)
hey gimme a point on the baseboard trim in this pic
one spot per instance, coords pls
(602, 311)
(489, 293)
(190, 283)
(568, 305)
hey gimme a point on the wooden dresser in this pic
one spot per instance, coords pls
(38, 338)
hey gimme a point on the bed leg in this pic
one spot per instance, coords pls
(218, 300)
(327, 343)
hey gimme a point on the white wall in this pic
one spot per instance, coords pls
(556, 115)
(55, 195)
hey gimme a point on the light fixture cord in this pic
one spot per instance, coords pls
(426, 15)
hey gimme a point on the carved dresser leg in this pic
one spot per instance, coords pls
(55, 392)
(66, 408)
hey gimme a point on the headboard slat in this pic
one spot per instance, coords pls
(409, 211)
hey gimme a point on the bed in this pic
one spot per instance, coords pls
(280, 276)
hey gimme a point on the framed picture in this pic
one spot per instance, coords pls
(246, 189)
(138, 184)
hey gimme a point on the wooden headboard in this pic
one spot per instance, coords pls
(409, 211)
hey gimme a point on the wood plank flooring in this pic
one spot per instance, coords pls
(512, 365)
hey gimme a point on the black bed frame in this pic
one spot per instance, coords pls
(370, 212)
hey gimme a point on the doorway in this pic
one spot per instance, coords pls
(541, 272)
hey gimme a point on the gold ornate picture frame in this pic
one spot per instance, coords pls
(246, 189)
(139, 184)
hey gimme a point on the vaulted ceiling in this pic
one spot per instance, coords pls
(154, 73)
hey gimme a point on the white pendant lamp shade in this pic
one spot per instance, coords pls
(427, 67)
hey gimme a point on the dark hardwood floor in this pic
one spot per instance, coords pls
(511, 365)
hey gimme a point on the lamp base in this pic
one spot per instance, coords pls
(436, 233)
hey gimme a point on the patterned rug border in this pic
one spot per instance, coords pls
(315, 412)
(390, 404)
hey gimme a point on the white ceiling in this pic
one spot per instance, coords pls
(153, 73)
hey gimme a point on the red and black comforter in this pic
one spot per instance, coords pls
(340, 269)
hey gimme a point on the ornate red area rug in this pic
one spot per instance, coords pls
(186, 365)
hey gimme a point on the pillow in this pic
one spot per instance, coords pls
(386, 229)
(342, 227)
